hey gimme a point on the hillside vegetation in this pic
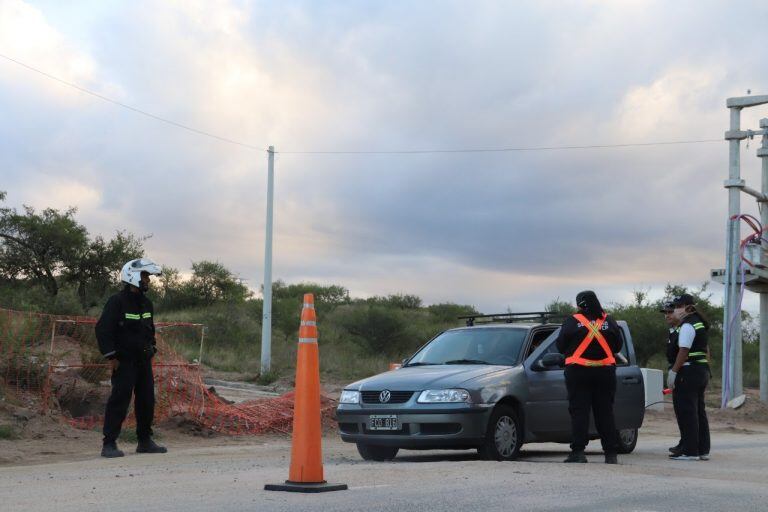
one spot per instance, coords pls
(49, 263)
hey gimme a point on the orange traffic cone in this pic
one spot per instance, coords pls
(306, 472)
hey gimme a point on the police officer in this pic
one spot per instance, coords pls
(126, 336)
(674, 331)
(589, 340)
(688, 378)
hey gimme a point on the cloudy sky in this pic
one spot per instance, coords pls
(495, 229)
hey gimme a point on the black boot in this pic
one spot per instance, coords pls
(149, 446)
(576, 457)
(111, 451)
(610, 458)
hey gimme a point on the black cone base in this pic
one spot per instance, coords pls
(305, 487)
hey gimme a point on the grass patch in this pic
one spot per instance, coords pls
(266, 378)
(7, 432)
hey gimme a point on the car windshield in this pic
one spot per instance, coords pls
(485, 345)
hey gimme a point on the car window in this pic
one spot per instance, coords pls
(539, 337)
(486, 345)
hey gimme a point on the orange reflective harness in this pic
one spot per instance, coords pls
(594, 333)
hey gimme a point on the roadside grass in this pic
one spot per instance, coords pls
(337, 361)
(7, 432)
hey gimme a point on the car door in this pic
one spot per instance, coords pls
(629, 404)
(546, 409)
(547, 416)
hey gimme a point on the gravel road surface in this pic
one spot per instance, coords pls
(232, 478)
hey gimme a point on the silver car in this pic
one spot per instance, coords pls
(491, 387)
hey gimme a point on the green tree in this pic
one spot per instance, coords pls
(211, 282)
(324, 294)
(38, 247)
(449, 312)
(398, 301)
(560, 307)
(97, 268)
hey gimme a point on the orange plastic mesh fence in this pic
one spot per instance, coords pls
(53, 362)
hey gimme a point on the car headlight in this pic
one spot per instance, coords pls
(349, 397)
(436, 396)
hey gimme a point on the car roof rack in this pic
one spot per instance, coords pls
(508, 318)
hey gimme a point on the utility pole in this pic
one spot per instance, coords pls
(731, 376)
(762, 153)
(266, 319)
(736, 277)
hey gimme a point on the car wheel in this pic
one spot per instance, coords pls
(504, 437)
(379, 453)
(627, 440)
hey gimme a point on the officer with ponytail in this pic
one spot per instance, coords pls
(588, 340)
(688, 378)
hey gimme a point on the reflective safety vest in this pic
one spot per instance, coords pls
(698, 351)
(593, 333)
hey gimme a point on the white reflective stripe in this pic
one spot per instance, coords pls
(308, 322)
(307, 340)
(308, 305)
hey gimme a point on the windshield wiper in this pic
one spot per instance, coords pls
(418, 363)
(466, 361)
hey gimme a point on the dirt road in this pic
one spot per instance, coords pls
(209, 474)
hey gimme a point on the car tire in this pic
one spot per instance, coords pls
(627, 440)
(377, 453)
(504, 437)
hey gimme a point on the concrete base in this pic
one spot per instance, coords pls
(289, 486)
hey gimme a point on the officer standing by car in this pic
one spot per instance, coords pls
(589, 339)
(126, 336)
(674, 331)
(688, 378)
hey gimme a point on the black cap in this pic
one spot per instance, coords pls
(588, 303)
(666, 307)
(683, 300)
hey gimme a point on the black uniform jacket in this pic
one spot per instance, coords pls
(126, 329)
(572, 333)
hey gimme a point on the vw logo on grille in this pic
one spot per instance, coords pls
(384, 396)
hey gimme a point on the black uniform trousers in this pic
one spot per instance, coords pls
(688, 401)
(132, 377)
(591, 388)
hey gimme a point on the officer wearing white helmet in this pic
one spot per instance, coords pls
(126, 335)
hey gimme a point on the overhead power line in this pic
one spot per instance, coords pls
(133, 109)
(364, 152)
(499, 150)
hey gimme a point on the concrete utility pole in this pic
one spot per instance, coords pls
(762, 153)
(755, 279)
(266, 319)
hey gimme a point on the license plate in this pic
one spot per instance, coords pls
(383, 422)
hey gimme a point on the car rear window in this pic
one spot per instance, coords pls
(473, 346)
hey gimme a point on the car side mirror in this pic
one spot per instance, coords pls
(551, 360)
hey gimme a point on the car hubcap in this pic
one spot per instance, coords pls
(627, 436)
(505, 436)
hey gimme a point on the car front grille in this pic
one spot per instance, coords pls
(396, 397)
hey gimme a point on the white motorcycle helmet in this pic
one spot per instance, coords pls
(132, 270)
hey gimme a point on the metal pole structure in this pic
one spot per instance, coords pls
(732, 383)
(266, 319)
(762, 153)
